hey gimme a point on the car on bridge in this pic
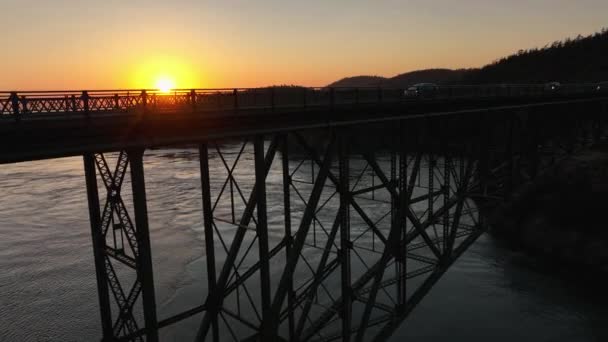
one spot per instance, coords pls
(552, 86)
(422, 90)
(602, 86)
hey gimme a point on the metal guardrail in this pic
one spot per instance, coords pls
(88, 102)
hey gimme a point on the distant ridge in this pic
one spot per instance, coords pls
(580, 59)
(439, 76)
(360, 81)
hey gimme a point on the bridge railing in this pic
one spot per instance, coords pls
(18, 104)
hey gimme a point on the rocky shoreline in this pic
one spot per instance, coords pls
(562, 216)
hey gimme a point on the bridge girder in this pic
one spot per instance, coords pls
(349, 239)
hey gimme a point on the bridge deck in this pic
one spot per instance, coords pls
(44, 128)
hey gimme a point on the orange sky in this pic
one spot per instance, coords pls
(70, 44)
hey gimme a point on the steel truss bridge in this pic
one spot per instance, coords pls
(331, 212)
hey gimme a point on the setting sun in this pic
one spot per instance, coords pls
(165, 84)
(164, 73)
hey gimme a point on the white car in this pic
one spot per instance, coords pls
(422, 90)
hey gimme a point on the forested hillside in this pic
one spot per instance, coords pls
(581, 59)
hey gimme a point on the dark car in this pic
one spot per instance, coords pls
(422, 90)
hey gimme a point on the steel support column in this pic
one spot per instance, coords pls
(99, 243)
(484, 153)
(267, 333)
(534, 140)
(345, 244)
(447, 171)
(401, 220)
(145, 270)
(209, 239)
(288, 236)
(509, 156)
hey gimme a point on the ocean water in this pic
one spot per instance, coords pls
(47, 276)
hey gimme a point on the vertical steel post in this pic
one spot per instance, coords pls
(402, 208)
(15, 104)
(209, 242)
(99, 243)
(144, 262)
(116, 102)
(262, 233)
(288, 237)
(509, 155)
(484, 152)
(431, 172)
(447, 169)
(345, 244)
(85, 103)
(23, 100)
(144, 101)
(393, 181)
(534, 142)
(193, 99)
(235, 94)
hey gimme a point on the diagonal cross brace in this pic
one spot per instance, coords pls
(302, 232)
(216, 299)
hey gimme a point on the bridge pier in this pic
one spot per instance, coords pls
(209, 238)
(111, 252)
(144, 261)
(99, 243)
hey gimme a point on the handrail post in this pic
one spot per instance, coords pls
(116, 102)
(144, 100)
(379, 95)
(23, 100)
(272, 98)
(235, 93)
(305, 100)
(73, 98)
(85, 101)
(332, 97)
(15, 104)
(357, 95)
(193, 99)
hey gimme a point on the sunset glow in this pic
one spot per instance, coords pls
(238, 43)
